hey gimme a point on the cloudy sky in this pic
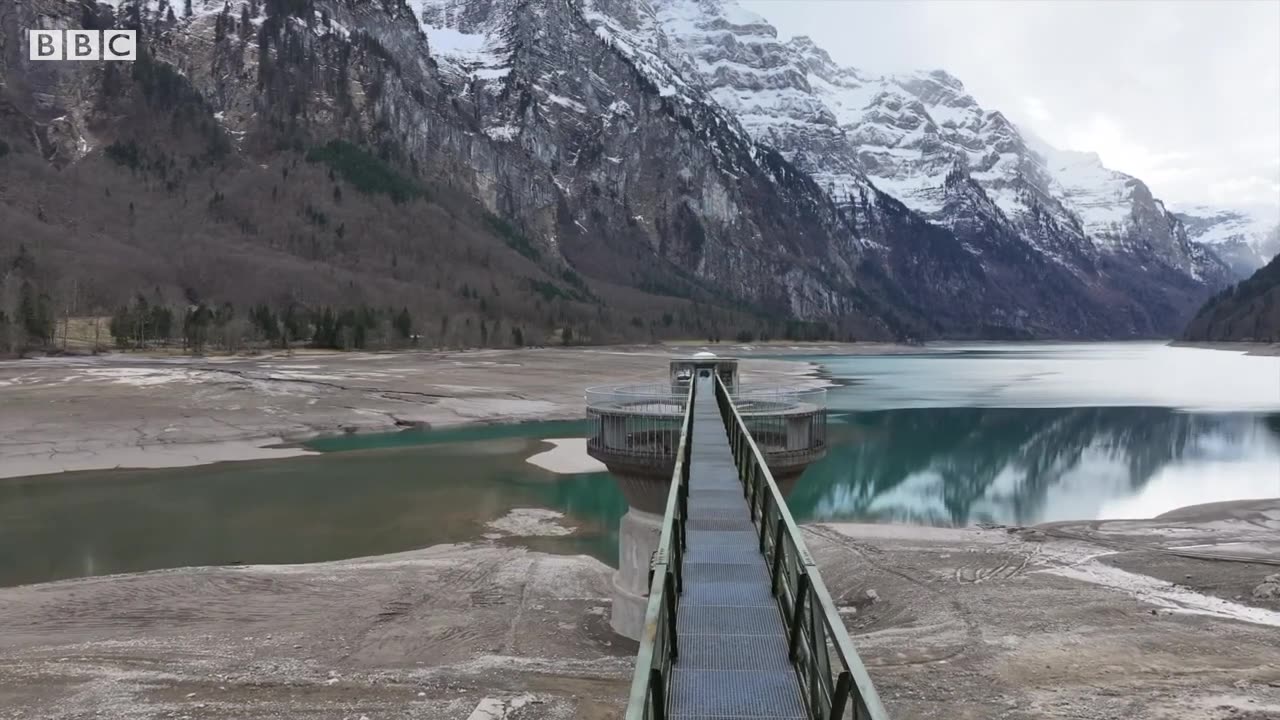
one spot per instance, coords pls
(1181, 93)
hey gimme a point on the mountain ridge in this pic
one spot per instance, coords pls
(620, 185)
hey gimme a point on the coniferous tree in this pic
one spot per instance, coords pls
(293, 326)
(31, 313)
(161, 323)
(404, 324)
(7, 332)
(195, 327)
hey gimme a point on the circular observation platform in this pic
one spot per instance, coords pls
(635, 431)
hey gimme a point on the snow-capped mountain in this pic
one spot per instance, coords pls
(668, 148)
(909, 133)
(1244, 239)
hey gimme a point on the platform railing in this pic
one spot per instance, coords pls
(642, 423)
(832, 677)
(659, 645)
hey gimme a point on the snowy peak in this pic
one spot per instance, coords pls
(936, 88)
(1100, 197)
(737, 57)
(680, 148)
(1213, 226)
(1246, 239)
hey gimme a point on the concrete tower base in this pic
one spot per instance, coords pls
(638, 536)
(637, 540)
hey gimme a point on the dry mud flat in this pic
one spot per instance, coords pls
(82, 413)
(975, 623)
(435, 633)
(1073, 620)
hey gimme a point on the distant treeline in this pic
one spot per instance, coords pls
(200, 326)
(26, 309)
(45, 309)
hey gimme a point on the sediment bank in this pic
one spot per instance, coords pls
(125, 410)
(1067, 621)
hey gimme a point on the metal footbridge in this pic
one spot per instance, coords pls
(739, 623)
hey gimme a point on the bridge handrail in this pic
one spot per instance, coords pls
(809, 612)
(650, 685)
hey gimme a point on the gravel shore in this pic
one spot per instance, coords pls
(1260, 349)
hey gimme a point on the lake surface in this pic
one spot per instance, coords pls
(958, 434)
(370, 495)
(1036, 432)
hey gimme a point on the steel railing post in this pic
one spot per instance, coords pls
(678, 552)
(778, 550)
(671, 616)
(802, 589)
(841, 695)
(657, 694)
(764, 519)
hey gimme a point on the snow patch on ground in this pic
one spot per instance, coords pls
(498, 708)
(531, 522)
(568, 457)
(504, 133)
(1163, 594)
(144, 377)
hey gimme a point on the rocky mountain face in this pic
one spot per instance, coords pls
(1248, 311)
(601, 156)
(1244, 240)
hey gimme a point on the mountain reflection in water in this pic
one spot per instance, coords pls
(957, 466)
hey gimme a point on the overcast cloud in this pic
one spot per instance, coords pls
(1182, 94)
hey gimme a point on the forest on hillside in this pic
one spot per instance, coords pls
(1248, 311)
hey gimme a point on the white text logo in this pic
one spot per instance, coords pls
(82, 44)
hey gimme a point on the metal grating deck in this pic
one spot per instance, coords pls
(733, 645)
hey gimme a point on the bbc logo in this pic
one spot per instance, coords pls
(83, 44)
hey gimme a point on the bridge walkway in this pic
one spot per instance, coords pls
(733, 644)
(739, 624)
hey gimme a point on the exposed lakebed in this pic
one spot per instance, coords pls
(958, 434)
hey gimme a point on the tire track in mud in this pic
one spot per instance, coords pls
(402, 624)
(911, 630)
(1009, 566)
